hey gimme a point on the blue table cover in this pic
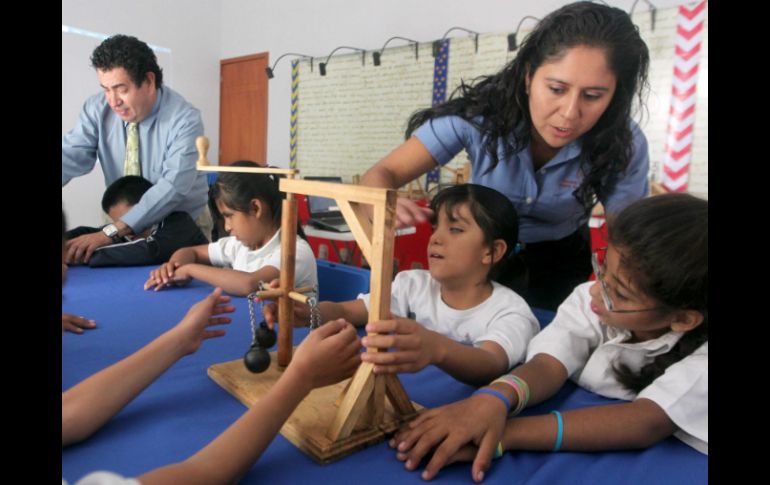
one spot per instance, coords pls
(184, 409)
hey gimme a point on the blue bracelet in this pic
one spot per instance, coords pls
(560, 432)
(497, 394)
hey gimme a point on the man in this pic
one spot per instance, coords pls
(137, 127)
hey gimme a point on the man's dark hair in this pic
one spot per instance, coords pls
(131, 54)
(128, 189)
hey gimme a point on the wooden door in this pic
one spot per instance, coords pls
(243, 109)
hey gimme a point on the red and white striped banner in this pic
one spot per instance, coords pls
(678, 149)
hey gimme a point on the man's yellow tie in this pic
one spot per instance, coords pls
(131, 165)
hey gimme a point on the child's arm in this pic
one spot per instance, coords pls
(353, 311)
(164, 275)
(91, 403)
(229, 456)
(417, 347)
(233, 281)
(478, 419)
(556, 352)
(637, 424)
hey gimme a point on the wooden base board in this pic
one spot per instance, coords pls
(306, 428)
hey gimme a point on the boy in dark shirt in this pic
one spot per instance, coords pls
(153, 246)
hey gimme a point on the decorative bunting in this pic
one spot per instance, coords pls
(294, 113)
(678, 148)
(439, 96)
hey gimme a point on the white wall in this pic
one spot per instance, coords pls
(190, 29)
(316, 27)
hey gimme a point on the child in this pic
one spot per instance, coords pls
(153, 246)
(250, 204)
(455, 315)
(91, 403)
(640, 333)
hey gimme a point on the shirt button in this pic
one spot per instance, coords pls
(529, 200)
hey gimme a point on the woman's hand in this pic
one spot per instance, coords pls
(409, 213)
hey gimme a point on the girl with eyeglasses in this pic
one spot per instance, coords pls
(639, 333)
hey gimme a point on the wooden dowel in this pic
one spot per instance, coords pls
(270, 294)
(299, 297)
(288, 259)
(226, 168)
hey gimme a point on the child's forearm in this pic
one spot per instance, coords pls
(92, 402)
(235, 282)
(544, 375)
(184, 256)
(234, 452)
(353, 311)
(472, 365)
(191, 255)
(639, 424)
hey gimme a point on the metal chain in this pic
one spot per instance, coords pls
(315, 311)
(252, 317)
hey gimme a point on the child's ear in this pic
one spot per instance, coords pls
(498, 250)
(686, 320)
(258, 207)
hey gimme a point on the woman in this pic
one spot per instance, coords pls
(552, 131)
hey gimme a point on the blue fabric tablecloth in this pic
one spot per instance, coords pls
(184, 409)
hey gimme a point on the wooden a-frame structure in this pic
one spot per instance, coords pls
(333, 421)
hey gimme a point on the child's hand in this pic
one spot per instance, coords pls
(270, 310)
(301, 314)
(75, 324)
(327, 355)
(192, 329)
(478, 421)
(415, 347)
(80, 249)
(167, 274)
(466, 453)
(160, 277)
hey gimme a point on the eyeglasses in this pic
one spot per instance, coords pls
(599, 271)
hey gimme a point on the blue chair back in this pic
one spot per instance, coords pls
(341, 282)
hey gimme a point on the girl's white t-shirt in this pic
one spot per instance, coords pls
(589, 349)
(228, 252)
(503, 318)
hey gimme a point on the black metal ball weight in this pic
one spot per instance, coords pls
(257, 359)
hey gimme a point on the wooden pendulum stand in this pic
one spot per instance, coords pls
(288, 247)
(336, 420)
